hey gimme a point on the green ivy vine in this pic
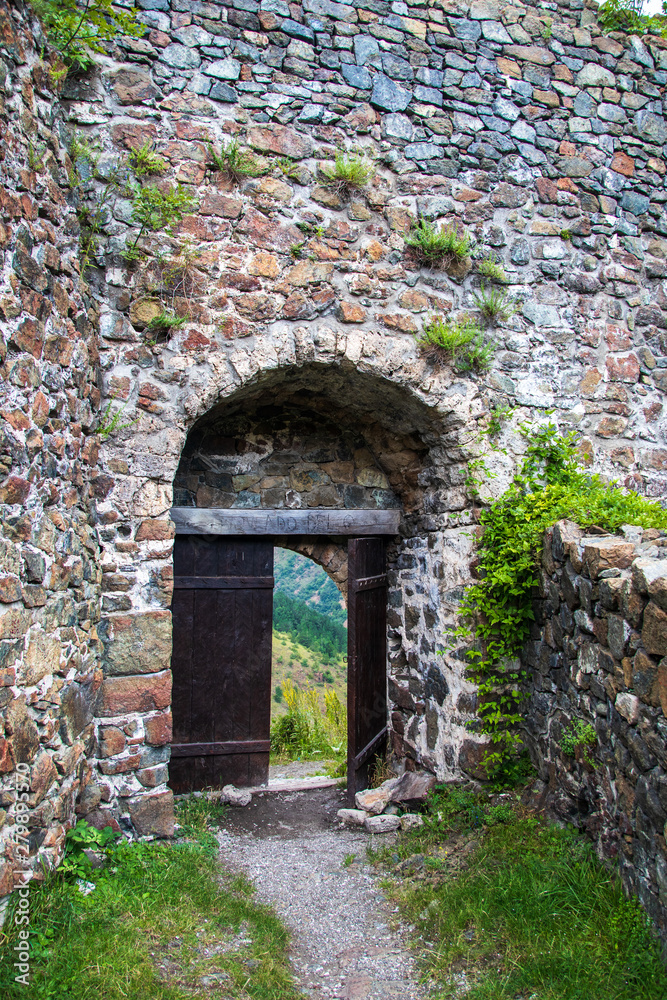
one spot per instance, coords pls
(497, 609)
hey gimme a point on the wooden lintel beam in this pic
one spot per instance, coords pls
(226, 521)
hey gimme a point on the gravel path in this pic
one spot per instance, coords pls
(343, 946)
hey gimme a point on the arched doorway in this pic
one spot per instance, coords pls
(292, 465)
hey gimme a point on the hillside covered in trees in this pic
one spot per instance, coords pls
(301, 578)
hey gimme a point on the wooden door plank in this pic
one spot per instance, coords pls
(367, 656)
(224, 635)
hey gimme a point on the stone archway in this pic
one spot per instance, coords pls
(390, 447)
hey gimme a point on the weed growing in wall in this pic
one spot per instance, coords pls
(497, 609)
(348, 173)
(495, 305)
(233, 162)
(155, 210)
(579, 735)
(163, 325)
(110, 421)
(492, 270)
(79, 28)
(441, 247)
(146, 162)
(458, 342)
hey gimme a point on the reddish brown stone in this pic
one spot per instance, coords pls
(350, 312)
(280, 140)
(7, 762)
(14, 490)
(623, 164)
(154, 530)
(153, 814)
(654, 630)
(10, 589)
(131, 86)
(42, 776)
(158, 729)
(623, 368)
(146, 693)
(610, 427)
(472, 757)
(547, 190)
(232, 327)
(221, 205)
(298, 306)
(398, 321)
(607, 553)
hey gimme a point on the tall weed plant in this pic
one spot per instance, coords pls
(497, 609)
(310, 728)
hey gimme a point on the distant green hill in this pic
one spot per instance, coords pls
(308, 627)
(301, 578)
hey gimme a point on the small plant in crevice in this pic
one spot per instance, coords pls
(438, 246)
(494, 305)
(156, 210)
(35, 158)
(78, 29)
(84, 837)
(579, 735)
(162, 326)
(233, 162)
(459, 342)
(497, 610)
(146, 162)
(296, 250)
(492, 270)
(566, 235)
(110, 421)
(312, 229)
(179, 276)
(349, 172)
(495, 419)
(289, 168)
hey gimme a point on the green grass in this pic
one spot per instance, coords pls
(443, 246)
(528, 912)
(161, 917)
(458, 342)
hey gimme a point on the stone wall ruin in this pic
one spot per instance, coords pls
(524, 124)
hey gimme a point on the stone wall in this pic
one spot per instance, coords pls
(49, 552)
(599, 654)
(524, 125)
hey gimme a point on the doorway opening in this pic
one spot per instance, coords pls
(222, 613)
(308, 670)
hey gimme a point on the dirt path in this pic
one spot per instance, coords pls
(343, 947)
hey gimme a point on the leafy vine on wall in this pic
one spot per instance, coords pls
(497, 609)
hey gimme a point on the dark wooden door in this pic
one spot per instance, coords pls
(222, 616)
(366, 658)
